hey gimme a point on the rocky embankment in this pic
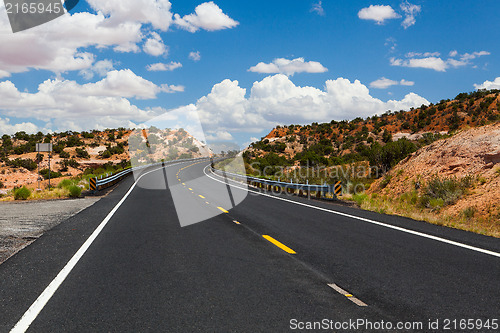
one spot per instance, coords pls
(471, 153)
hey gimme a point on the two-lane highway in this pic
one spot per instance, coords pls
(142, 271)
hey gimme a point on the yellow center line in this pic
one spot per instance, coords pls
(278, 244)
(222, 209)
(201, 196)
(207, 202)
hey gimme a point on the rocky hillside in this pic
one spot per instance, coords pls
(94, 152)
(340, 142)
(470, 159)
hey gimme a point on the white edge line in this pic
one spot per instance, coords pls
(417, 233)
(30, 315)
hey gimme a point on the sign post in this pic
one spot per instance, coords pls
(43, 147)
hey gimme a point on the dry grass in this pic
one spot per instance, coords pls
(407, 206)
(60, 192)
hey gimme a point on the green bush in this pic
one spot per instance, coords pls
(22, 163)
(82, 153)
(53, 174)
(410, 197)
(106, 154)
(65, 183)
(386, 181)
(64, 154)
(447, 189)
(22, 193)
(74, 191)
(359, 198)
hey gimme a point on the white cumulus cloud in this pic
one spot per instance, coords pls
(207, 16)
(155, 12)
(154, 45)
(57, 45)
(434, 63)
(378, 13)
(69, 105)
(67, 43)
(277, 100)
(7, 128)
(384, 83)
(161, 67)
(410, 12)
(220, 136)
(289, 67)
(100, 68)
(195, 56)
(432, 60)
(495, 84)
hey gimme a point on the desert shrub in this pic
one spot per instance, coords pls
(468, 212)
(1, 184)
(409, 197)
(434, 204)
(359, 198)
(184, 156)
(71, 162)
(386, 181)
(447, 189)
(64, 154)
(106, 154)
(53, 174)
(82, 153)
(74, 191)
(73, 141)
(23, 163)
(64, 183)
(22, 193)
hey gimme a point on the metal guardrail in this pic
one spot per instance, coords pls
(270, 185)
(97, 184)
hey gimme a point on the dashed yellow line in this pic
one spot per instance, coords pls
(190, 188)
(201, 196)
(223, 210)
(278, 244)
(349, 296)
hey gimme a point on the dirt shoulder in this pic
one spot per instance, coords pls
(21, 223)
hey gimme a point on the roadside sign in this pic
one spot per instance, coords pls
(338, 188)
(44, 147)
(93, 184)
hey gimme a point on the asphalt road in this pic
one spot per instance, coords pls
(143, 272)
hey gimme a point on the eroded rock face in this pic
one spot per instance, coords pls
(474, 152)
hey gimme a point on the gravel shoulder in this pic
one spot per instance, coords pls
(21, 223)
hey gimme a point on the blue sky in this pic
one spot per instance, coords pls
(242, 67)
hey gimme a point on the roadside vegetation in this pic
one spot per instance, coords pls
(427, 203)
(66, 188)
